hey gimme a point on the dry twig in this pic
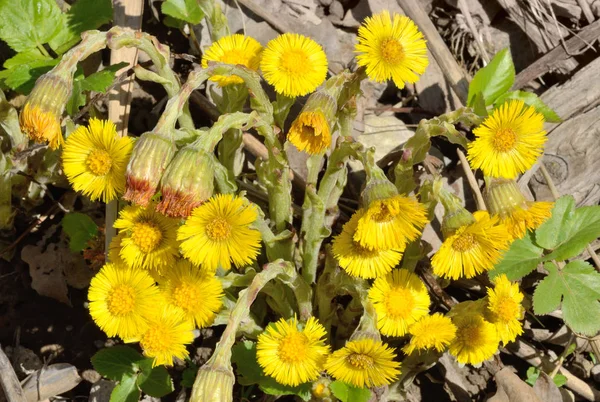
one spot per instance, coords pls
(9, 381)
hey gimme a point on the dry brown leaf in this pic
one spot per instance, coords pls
(546, 389)
(512, 389)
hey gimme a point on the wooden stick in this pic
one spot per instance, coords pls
(464, 9)
(9, 381)
(472, 180)
(587, 11)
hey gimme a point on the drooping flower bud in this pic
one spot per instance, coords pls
(149, 159)
(214, 383)
(455, 215)
(311, 131)
(40, 117)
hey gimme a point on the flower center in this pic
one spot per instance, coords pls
(292, 348)
(504, 140)
(392, 51)
(218, 229)
(308, 131)
(471, 335)
(383, 213)
(399, 303)
(464, 242)
(146, 236)
(360, 361)
(155, 339)
(295, 63)
(185, 297)
(121, 300)
(99, 162)
(507, 309)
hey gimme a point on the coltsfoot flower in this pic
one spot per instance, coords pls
(434, 331)
(233, 49)
(505, 309)
(476, 339)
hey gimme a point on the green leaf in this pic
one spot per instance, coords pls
(531, 99)
(554, 231)
(26, 24)
(494, 79)
(578, 285)
(479, 105)
(186, 10)
(100, 81)
(22, 70)
(522, 257)
(80, 228)
(348, 393)
(127, 390)
(82, 16)
(582, 228)
(533, 374)
(77, 99)
(559, 380)
(157, 383)
(189, 375)
(116, 361)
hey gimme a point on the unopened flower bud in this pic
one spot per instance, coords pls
(213, 384)
(186, 183)
(311, 131)
(320, 390)
(40, 117)
(149, 159)
(455, 215)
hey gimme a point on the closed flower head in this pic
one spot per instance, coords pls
(391, 46)
(290, 354)
(364, 363)
(431, 332)
(509, 141)
(311, 131)
(233, 49)
(400, 299)
(95, 158)
(505, 309)
(476, 339)
(149, 238)
(219, 233)
(294, 64)
(122, 299)
(360, 261)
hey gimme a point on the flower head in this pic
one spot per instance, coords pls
(122, 299)
(294, 64)
(290, 355)
(434, 331)
(505, 309)
(167, 335)
(400, 299)
(148, 240)
(476, 339)
(391, 46)
(196, 293)
(95, 158)
(218, 233)
(472, 249)
(359, 261)
(233, 49)
(509, 141)
(364, 363)
(310, 132)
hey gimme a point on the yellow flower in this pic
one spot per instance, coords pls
(472, 249)
(218, 232)
(41, 126)
(390, 223)
(509, 141)
(391, 47)
(364, 363)
(476, 339)
(196, 293)
(400, 299)
(290, 355)
(167, 336)
(504, 308)
(310, 133)
(149, 238)
(360, 261)
(95, 159)
(294, 64)
(233, 49)
(431, 332)
(122, 299)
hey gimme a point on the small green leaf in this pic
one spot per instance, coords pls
(559, 380)
(189, 375)
(531, 99)
(479, 105)
(100, 81)
(27, 24)
(494, 79)
(532, 375)
(186, 10)
(582, 228)
(348, 393)
(77, 99)
(126, 390)
(157, 383)
(578, 285)
(554, 231)
(80, 228)
(522, 257)
(116, 361)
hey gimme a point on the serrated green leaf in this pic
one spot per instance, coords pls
(494, 79)
(348, 393)
(173, 22)
(186, 10)
(101, 80)
(531, 99)
(522, 257)
(27, 24)
(157, 383)
(578, 285)
(554, 231)
(126, 390)
(80, 228)
(22, 70)
(82, 16)
(114, 362)
(582, 228)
